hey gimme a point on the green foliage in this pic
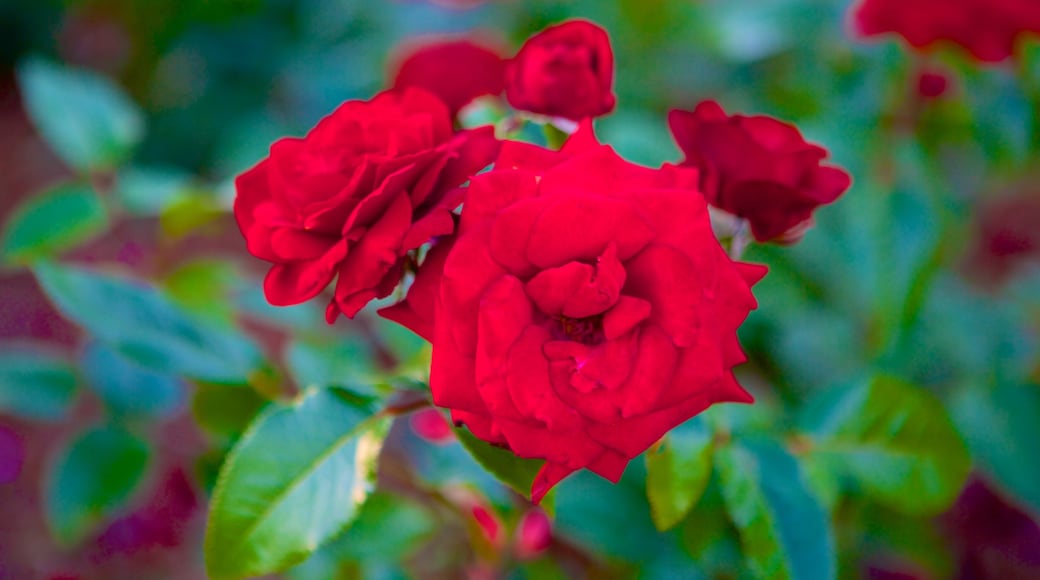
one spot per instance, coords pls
(1001, 428)
(343, 361)
(678, 472)
(127, 388)
(142, 324)
(388, 528)
(896, 440)
(784, 531)
(85, 118)
(35, 383)
(52, 221)
(515, 472)
(148, 191)
(225, 410)
(203, 287)
(93, 478)
(293, 481)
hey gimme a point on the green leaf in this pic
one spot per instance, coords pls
(678, 472)
(191, 213)
(225, 410)
(128, 388)
(148, 191)
(784, 531)
(341, 361)
(144, 325)
(53, 221)
(86, 118)
(897, 441)
(93, 479)
(35, 383)
(1002, 431)
(203, 287)
(293, 481)
(516, 472)
(388, 528)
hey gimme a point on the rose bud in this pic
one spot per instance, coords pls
(480, 513)
(564, 71)
(757, 168)
(533, 535)
(372, 181)
(932, 84)
(584, 309)
(988, 29)
(455, 71)
(431, 426)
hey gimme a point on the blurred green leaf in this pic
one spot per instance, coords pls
(53, 221)
(678, 471)
(147, 191)
(203, 287)
(144, 325)
(225, 410)
(611, 519)
(190, 213)
(1002, 431)
(341, 361)
(896, 440)
(88, 120)
(388, 528)
(93, 478)
(783, 529)
(35, 383)
(128, 388)
(294, 480)
(516, 472)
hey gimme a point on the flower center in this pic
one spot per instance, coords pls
(588, 331)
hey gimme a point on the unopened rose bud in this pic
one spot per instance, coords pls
(533, 535)
(431, 426)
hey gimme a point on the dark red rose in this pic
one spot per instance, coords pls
(584, 308)
(565, 71)
(758, 168)
(456, 71)
(370, 182)
(988, 29)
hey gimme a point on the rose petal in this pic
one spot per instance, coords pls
(362, 273)
(296, 282)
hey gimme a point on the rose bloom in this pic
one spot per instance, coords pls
(370, 182)
(988, 29)
(564, 71)
(457, 71)
(584, 309)
(758, 168)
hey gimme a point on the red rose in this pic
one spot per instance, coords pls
(565, 71)
(456, 71)
(584, 309)
(758, 168)
(370, 182)
(988, 29)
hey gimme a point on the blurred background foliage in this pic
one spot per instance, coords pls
(894, 353)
